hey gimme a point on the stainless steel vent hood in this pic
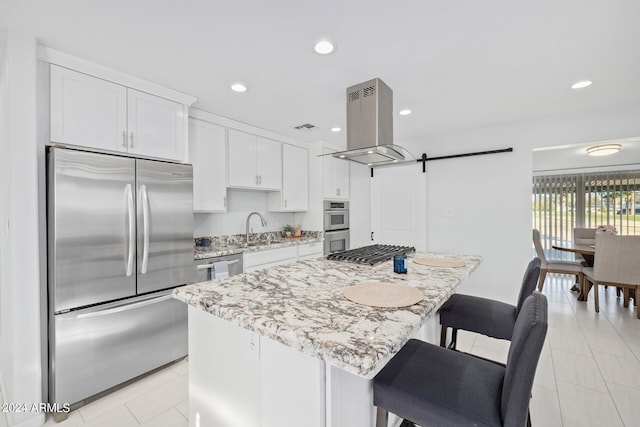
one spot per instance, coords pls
(370, 125)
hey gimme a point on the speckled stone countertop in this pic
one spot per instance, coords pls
(204, 252)
(235, 243)
(301, 305)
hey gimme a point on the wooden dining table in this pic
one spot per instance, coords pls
(588, 252)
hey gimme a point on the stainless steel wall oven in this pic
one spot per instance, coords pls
(336, 226)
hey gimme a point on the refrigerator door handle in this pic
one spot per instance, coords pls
(132, 219)
(123, 307)
(145, 227)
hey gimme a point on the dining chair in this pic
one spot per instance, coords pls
(485, 316)
(554, 266)
(433, 386)
(617, 264)
(583, 236)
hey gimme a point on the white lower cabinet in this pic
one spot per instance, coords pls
(254, 261)
(310, 251)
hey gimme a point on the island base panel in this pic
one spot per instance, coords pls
(238, 378)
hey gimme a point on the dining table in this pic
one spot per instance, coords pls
(588, 252)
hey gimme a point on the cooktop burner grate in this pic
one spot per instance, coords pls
(371, 255)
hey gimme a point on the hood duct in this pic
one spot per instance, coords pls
(370, 125)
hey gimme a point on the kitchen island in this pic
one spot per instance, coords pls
(283, 346)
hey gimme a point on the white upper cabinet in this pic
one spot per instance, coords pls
(295, 174)
(91, 112)
(87, 111)
(335, 177)
(254, 162)
(155, 126)
(207, 153)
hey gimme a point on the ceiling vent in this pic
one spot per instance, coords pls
(307, 127)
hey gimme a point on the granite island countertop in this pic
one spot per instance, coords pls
(301, 305)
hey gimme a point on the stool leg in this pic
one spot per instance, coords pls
(382, 417)
(443, 336)
(454, 338)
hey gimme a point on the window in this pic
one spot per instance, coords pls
(562, 202)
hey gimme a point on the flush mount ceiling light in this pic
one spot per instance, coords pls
(405, 112)
(238, 87)
(323, 47)
(581, 84)
(336, 129)
(603, 149)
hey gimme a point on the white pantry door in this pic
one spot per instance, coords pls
(399, 206)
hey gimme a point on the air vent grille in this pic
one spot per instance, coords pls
(369, 91)
(354, 96)
(306, 127)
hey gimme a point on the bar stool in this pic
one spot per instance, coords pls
(484, 316)
(433, 386)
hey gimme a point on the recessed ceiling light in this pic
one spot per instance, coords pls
(336, 129)
(323, 47)
(405, 112)
(342, 156)
(604, 149)
(238, 87)
(370, 152)
(368, 164)
(581, 84)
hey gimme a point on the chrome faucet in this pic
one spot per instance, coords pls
(264, 223)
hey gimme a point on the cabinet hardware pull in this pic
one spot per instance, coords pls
(256, 179)
(260, 179)
(285, 203)
(124, 139)
(131, 145)
(225, 201)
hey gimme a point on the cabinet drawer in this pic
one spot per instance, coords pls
(272, 256)
(310, 250)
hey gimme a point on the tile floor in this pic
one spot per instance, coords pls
(588, 374)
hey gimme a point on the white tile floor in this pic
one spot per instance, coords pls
(588, 374)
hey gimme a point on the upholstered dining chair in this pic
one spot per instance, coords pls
(617, 263)
(433, 386)
(554, 266)
(583, 236)
(484, 316)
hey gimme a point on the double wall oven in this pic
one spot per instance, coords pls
(336, 226)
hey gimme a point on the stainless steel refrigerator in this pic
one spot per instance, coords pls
(120, 237)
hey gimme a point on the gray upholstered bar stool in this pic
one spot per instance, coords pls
(484, 316)
(433, 386)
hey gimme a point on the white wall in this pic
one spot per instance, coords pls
(239, 204)
(491, 195)
(20, 350)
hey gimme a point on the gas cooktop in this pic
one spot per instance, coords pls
(370, 255)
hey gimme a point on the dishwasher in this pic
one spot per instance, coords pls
(205, 270)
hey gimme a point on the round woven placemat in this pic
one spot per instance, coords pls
(382, 294)
(439, 262)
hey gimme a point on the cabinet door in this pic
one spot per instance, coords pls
(207, 153)
(294, 178)
(156, 126)
(270, 164)
(242, 167)
(87, 111)
(330, 190)
(342, 178)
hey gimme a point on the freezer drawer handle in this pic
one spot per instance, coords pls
(131, 216)
(145, 227)
(203, 266)
(125, 307)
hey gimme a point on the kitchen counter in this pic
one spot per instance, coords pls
(301, 306)
(204, 252)
(284, 340)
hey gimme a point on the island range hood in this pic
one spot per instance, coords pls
(370, 125)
